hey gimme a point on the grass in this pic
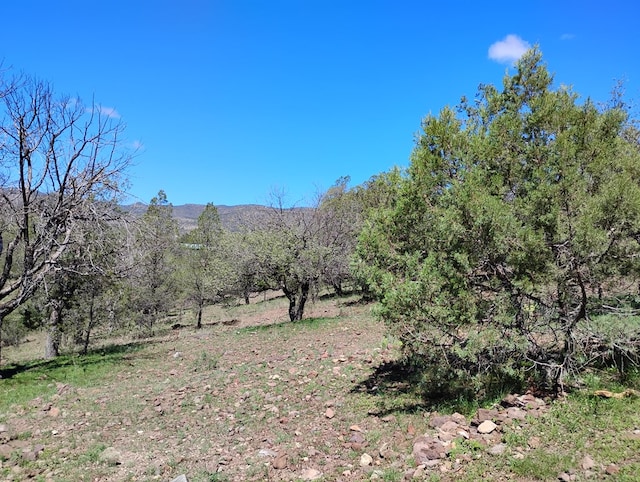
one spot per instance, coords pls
(266, 384)
(22, 382)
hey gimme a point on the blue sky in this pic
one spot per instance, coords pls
(231, 99)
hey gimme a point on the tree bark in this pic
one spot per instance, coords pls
(52, 347)
(199, 316)
(297, 300)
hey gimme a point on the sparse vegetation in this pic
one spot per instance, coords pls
(504, 260)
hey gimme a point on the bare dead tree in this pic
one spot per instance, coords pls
(58, 159)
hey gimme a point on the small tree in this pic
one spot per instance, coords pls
(205, 270)
(154, 285)
(517, 208)
(83, 292)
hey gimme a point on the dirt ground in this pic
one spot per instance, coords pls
(249, 397)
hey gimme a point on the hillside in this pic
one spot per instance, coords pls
(252, 396)
(232, 217)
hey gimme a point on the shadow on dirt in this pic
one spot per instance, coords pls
(400, 387)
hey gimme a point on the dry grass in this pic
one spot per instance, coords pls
(219, 403)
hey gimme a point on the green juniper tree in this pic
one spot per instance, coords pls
(517, 207)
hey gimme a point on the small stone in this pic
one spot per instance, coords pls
(516, 413)
(267, 453)
(487, 427)
(330, 413)
(54, 412)
(310, 474)
(612, 469)
(110, 456)
(180, 478)
(280, 462)
(564, 477)
(365, 460)
(587, 463)
(3, 428)
(355, 428)
(177, 354)
(534, 442)
(419, 473)
(498, 449)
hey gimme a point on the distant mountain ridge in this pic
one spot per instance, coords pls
(231, 217)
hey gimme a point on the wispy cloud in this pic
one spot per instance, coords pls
(108, 111)
(567, 36)
(508, 50)
(137, 145)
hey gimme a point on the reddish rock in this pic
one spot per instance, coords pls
(428, 448)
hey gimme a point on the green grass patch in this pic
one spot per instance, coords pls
(289, 326)
(25, 381)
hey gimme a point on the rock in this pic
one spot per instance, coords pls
(357, 437)
(427, 448)
(509, 401)
(516, 413)
(564, 477)
(587, 463)
(280, 462)
(487, 427)
(449, 426)
(177, 354)
(486, 414)
(419, 473)
(330, 413)
(54, 412)
(355, 428)
(437, 421)
(110, 456)
(498, 449)
(180, 478)
(3, 428)
(310, 474)
(365, 460)
(612, 469)
(534, 442)
(267, 453)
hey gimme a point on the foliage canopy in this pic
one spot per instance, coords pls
(519, 215)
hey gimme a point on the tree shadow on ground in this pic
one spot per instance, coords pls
(400, 387)
(113, 352)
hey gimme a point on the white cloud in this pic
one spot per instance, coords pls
(508, 50)
(109, 112)
(137, 145)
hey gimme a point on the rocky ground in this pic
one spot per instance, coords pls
(254, 397)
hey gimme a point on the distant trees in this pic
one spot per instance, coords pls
(60, 159)
(518, 207)
(153, 291)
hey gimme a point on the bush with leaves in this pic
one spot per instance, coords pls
(518, 209)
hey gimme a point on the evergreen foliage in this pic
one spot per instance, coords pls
(519, 208)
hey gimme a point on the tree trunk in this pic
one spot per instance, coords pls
(337, 287)
(302, 300)
(87, 334)
(297, 299)
(52, 347)
(1, 320)
(246, 297)
(199, 315)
